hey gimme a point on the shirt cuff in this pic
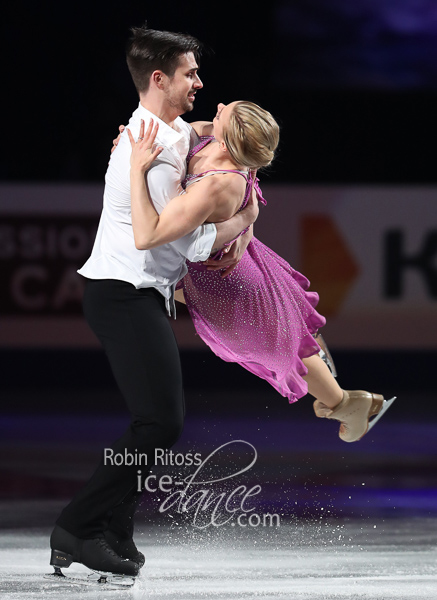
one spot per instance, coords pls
(204, 243)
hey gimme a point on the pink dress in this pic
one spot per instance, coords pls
(261, 316)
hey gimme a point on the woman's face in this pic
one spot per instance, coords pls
(221, 120)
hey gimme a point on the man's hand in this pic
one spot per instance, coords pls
(117, 139)
(233, 255)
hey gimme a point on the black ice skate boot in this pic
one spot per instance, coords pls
(96, 554)
(125, 548)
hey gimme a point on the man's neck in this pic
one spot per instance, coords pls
(159, 109)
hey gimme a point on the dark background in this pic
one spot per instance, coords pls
(353, 87)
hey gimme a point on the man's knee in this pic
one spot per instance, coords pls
(162, 432)
(171, 430)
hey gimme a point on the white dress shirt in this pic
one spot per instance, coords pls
(114, 255)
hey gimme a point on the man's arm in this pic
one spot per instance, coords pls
(202, 127)
(232, 256)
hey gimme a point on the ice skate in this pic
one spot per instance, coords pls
(108, 581)
(354, 412)
(324, 353)
(125, 548)
(108, 567)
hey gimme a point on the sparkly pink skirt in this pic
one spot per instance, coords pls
(260, 316)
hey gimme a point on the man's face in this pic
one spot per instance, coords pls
(181, 88)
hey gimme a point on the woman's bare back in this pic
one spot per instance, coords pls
(233, 184)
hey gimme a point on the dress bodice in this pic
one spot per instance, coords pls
(251, 181)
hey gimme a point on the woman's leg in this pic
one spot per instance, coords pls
(321, 383)
(179, 296)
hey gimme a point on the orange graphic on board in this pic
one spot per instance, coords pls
(327, 262)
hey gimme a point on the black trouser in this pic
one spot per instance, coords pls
(135, 332)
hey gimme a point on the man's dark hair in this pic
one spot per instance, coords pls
(149, 50)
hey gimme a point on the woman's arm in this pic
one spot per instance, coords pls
(182, 214)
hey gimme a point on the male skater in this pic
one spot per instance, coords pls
(128, 294)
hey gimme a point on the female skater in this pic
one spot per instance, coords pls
(261, 316)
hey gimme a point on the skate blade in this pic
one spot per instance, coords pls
(60, 578)
(120, 581)
(109, 581)
(325, 355)
(385, 406)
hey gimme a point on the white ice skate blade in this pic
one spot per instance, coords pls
(324, 353)
(385, 406)
(327, 359)
(101, 579)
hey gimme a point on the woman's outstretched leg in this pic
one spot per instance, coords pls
(321, 383)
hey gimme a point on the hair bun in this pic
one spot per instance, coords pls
(252, 136)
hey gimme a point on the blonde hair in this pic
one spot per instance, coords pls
(252, 135)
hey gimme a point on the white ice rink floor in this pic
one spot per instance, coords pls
(364, 553)
(376, 559)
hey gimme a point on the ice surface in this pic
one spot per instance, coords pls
(377, 559)
(362, 554)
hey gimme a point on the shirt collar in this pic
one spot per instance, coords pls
(166, 134)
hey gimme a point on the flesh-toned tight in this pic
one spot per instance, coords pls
(321, 383)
